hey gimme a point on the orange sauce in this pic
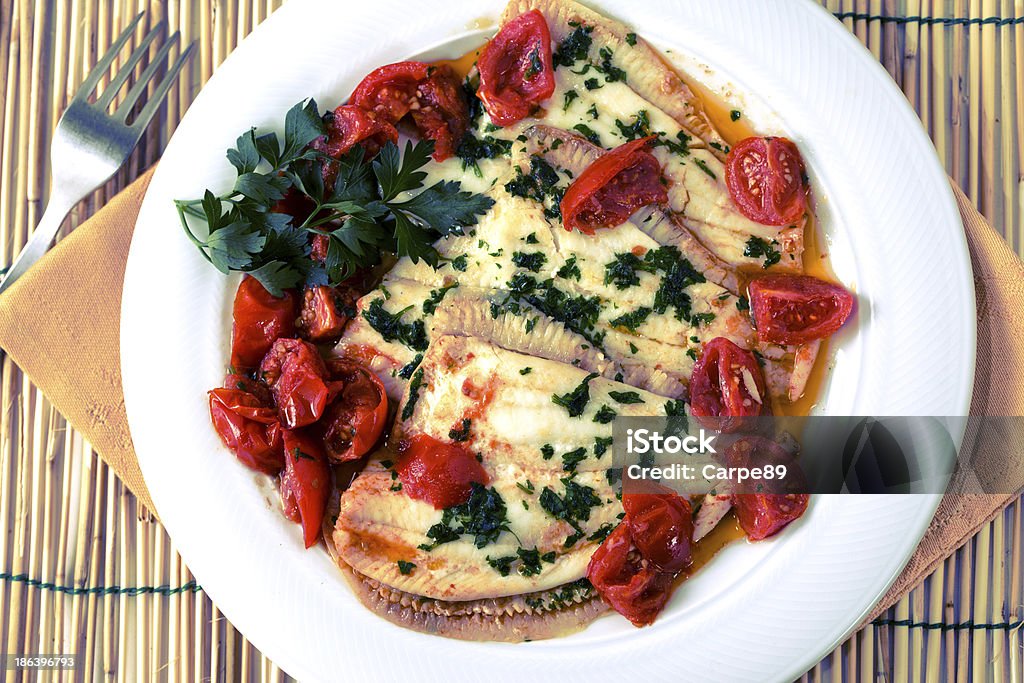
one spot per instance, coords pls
(462, 65)
(727, 531)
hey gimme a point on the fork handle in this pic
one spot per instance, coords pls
(57, 208)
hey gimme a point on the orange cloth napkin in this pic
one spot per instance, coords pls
(61, 324)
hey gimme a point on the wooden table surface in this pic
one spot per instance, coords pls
(78, 549)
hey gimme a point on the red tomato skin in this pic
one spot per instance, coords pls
(348, 126)
(762, 515)
(613, 187)
(259, 320)
(437, 472)
(765, 177)
(661, 525)
(298, 380)
(632, 587)
(796, 309)
(305, 483)
(430, 94)
(506, 91)
(325, 312)
(718, 389)
(249, 428)
(358, 415)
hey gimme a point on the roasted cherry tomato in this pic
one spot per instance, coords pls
(297, 378)
(633, 587)
(766, 180)
(727, 382)
(249, 428)
(515, 67)
(348, 126)
(794, 309)
(765, 505)
(765, 514)
(437, 472)
(661, 525)
(259, 319)
(356, 418)
(326, 311)
(305, 483)
(613, 187)
(431, 95)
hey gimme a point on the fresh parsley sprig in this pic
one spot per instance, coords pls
(365, 212)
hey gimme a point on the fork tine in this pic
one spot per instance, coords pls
(147, 113)
(107, 96)
(139, 87)
(106, 60)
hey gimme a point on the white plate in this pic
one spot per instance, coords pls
(758, 611)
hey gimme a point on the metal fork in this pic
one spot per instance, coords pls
(89, 145)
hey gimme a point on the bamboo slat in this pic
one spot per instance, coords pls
(70, 523)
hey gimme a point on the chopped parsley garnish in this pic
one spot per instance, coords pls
(676, 412)
(462, 433)
(625, 397)
(735, 114)
(532, 261)
(525, 371)
(588, 132)
(612, 73)
(631, 39)
(483, 516)
(702, 165)
(410, 367)
(573, 506)
(472, 149)
(527, 487)
(699, 319)
(604, 415)
(570, 95)
(743, 304)
(538, 185)
(574, 48)
(529, 562)
(360, 213)
(632, 320)
(535, 67)
(547, 451)
(569, 269)
(459, 263)
(532, 238)
(575, 402)
(391, 328)
(639, 128)
(601, 533)
(601, 445)
(592, 84)
(436, 295)
(414, 394)
(405, 568)
(573, 458)
(758, 248)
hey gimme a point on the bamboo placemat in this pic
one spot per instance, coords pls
(84, 569)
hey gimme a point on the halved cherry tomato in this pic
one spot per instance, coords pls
(794, 309)
(765, 514)
(661, 525)
(633, 587)
(437, 472)
(249, 428)
(727, 382)
(613, 187)
(305, 483)
(766, 180)
(430, 94)
(515, 67)
(356, 418)
(326, 311)
(259, 319)
(348, 126)
(297, 378)
(765, 506)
